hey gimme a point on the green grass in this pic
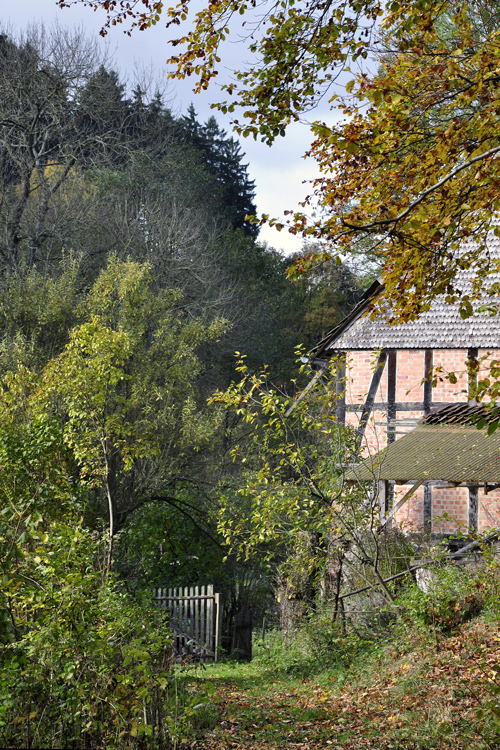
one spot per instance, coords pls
(257, 705)
(397, 694)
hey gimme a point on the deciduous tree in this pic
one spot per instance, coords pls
(292, 506)
(415, 163)
(42, 75)
(124, 389)
(80, 660)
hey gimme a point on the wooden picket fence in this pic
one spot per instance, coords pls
(195, 617)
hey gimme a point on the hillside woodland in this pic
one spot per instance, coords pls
(128, 280)
(137, 452)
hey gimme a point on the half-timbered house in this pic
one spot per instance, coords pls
(385, 382)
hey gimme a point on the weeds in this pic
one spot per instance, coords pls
(400, 688)
(455, 595)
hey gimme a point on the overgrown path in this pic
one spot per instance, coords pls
(426, 698)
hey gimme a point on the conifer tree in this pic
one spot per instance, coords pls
(223, 156)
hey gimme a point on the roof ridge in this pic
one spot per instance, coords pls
(440, 327)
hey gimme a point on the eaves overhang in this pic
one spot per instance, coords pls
(447, 447)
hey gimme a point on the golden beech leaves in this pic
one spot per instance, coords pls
(413, 167)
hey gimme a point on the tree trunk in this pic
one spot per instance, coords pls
(241, 646)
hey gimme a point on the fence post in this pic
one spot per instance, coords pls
(197, 615)
(218, 623)
(191, 612)
(210, 618)
(203, 630)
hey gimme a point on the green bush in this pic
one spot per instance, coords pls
(488, 583)
(81, 662)
(455, 596)
(332, 643)
(316, 644)
(285, 654)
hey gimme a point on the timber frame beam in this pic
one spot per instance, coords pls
(370, 399)
(399, 505)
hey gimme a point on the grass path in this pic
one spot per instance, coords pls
(419, 700)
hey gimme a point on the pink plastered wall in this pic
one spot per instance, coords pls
(409, 388)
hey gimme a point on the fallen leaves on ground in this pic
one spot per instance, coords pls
(421, 700)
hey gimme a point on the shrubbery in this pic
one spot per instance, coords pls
(454, 595)
(81, 662)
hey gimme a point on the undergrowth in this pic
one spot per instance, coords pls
(427, 680)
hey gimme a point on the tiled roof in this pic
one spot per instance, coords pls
(449, 453)
(461, 413)
(441, 327)
(445, 446)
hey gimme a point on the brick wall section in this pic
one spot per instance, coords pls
(489, 510)
(453, 501)
(450, 360)
(359, 371)
(409, 517)
(410, 373)
(409, 388)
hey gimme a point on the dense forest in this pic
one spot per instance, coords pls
(129, 278)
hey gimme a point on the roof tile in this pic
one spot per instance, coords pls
(441, 327)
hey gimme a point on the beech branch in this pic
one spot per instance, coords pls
(423, 196)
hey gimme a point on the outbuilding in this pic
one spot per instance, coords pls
(391, 376)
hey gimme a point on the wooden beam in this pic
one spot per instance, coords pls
(308, 387)
(490, 487)
(473, 508)
(472, 354)
(440, 484)
(428, 366)
(399, 405)
(218, 627)
(400, 504)
(383, 498)
(392, 365)
(392, 362)
(370, 399)
(340, 388)
(427, 507)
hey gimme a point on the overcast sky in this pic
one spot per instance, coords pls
(279, 171)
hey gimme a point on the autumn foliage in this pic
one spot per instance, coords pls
(413, 165)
